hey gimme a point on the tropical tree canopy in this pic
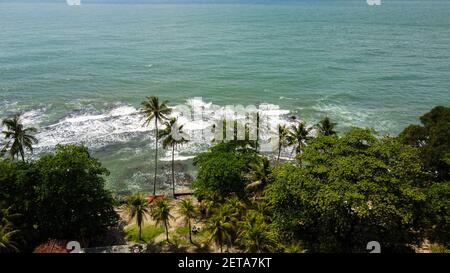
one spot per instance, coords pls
(221, 170)
(353, 190)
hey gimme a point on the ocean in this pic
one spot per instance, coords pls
(79, 73)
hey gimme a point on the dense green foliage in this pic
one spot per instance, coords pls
(433, 140)
(61, 195)
(221, 170)
(339, 193)
(354, 189)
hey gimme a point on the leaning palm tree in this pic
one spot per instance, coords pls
(283, 133)
(299, 135)
(153, 109)
(172, 136)
(258, 176)
(219, 227)
(18, 138)
(326, 127)
(188, 211)
(138, 209)
(160, 212)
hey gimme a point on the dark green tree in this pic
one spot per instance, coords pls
(326, 127)
(18, 138)
(433, 140)
(71, 200)
(221, 170)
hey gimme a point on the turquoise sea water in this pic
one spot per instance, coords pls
(79, 73)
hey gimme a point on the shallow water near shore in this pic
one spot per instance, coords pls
(79, 73)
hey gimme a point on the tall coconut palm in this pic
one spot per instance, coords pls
(326, 127)
(299, 135)
(188, 211)
(160, 212)
(138, 209)
(258, 176)
(283, 133)
(18, 138)
(172, 136)
(154, 110)
(219, 227)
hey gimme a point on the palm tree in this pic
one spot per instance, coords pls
(153, 109)
(258, 175)
(172, 136)
(326, 127)
(6, 242)
(299, 135)
(188, 211)
(161, 214)
(138, 209)
(7, 232)
(283, 133)
(21, 138)
(219, 227)
(255, 235)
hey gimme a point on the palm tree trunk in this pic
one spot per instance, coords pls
(257, 132)
(167, 231)
(156, 155)
(190, 231)
(22, 154)
(173, 170)
(140, 232)
(299, 152)
(279, 153)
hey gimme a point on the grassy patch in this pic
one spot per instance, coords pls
(149, 232)
(437, 248)
(182, 230)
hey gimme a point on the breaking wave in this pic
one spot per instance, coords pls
(123, 123)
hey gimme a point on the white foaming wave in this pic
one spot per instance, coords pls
(348, 116)
(33, 117)
(123, 123)
(120, 124)
(206, 114)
